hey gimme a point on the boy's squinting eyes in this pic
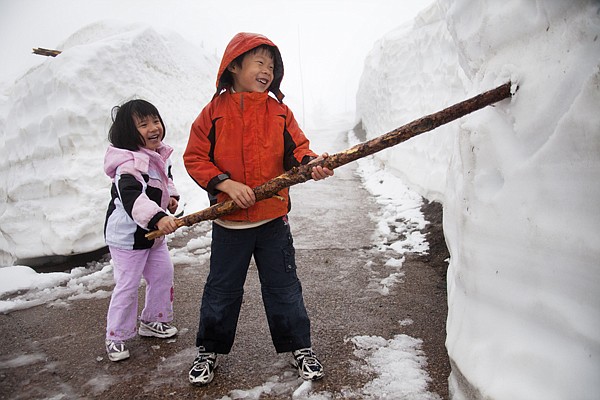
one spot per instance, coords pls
(255, 73)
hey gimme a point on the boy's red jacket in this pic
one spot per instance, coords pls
(252, 137)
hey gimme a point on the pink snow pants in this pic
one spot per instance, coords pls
(128, 267)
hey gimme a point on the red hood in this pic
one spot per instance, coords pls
(241, 43)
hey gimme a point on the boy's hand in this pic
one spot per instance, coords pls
(242, 195)
(167, 225)
(173, 204)
(319, 172)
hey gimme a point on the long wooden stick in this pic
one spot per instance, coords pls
(303, 173)
(46, 52)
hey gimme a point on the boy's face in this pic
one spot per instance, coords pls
(255, 74)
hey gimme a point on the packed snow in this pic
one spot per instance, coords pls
(519, 181)
(519, 184)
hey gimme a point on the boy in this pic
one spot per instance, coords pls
(241, 139)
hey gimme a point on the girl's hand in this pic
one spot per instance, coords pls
(242, 195)
(167, 225)
(173, 204)
(319, 172)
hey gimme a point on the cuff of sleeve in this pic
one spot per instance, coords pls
(307, 159)
(155, 219)
(210, 188)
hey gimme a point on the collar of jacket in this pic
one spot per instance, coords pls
(141, 159)
(251, 98)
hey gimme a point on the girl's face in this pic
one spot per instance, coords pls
(255, 74)
(151, 130)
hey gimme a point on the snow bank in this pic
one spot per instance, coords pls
(401, 82)
(519, 183)
(56, 118)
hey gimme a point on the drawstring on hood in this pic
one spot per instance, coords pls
(240, 44)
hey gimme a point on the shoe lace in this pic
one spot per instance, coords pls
(158, 326)
(204, 357)
(116, 347)
(307, 359)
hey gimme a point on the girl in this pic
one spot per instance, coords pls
(138, 164)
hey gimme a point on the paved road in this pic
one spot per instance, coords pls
(57, 353)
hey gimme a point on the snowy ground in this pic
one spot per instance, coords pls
(397, 363)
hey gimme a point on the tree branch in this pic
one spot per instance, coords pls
(303, 173)
(46, 52)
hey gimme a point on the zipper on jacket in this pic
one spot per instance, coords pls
(243, 142)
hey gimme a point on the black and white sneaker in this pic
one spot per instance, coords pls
(160, 330)
(308, 365)
(203, 368)
(116, 351)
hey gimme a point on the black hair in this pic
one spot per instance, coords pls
(227, 78)
(123, 133)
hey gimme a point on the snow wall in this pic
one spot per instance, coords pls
(53, 193)
(518, 181)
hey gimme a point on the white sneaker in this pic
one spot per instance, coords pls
(203, 368)
(116, 350)
(157, 329)
(308, 365)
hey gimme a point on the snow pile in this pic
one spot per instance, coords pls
(400, 366)
(54, 193)
(21, 287)
(54, 120)
(401, 82)
(519, 183)
(401, 209)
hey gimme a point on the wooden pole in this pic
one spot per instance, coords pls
(303, 173)
(46, 52)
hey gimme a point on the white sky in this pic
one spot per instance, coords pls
(323, 42)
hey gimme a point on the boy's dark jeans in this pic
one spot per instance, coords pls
(273, 250)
